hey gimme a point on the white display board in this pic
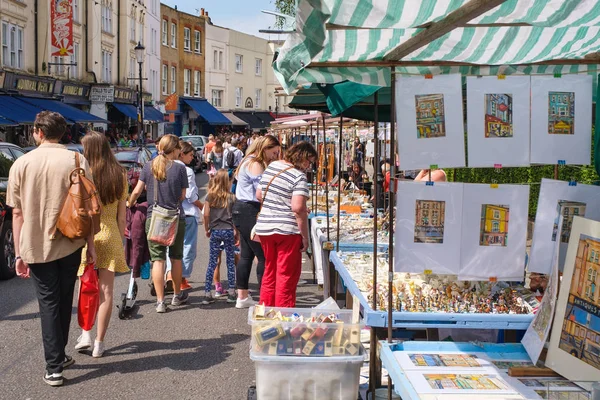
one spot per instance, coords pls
(428, 227)
(580, 200)
(498, 121)
(430, 121)
(561, 119)
(494, 232)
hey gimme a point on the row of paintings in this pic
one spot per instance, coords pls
(513, 121)
(474, 231)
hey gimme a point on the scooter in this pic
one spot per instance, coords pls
(128, 299)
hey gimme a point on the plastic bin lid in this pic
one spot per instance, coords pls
(308, 359)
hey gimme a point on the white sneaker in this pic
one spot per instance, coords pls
(98, 349)
(245, 303)
(84, 341)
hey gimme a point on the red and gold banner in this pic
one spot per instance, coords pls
(61, 20)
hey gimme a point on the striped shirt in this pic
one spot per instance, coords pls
(276, 215)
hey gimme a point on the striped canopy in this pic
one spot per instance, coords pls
(504, 40)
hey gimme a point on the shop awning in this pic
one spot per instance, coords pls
(69, 112)
(127, 110)
(251, 118)
(151, 114)
(207, 112)
(235, 120)
(16, 110)
(265, 116)
(6, 122)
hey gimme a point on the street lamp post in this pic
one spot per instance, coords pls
(139, 54)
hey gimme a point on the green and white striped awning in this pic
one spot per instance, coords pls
(506, 39)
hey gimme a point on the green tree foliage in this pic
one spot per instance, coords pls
(287, 7)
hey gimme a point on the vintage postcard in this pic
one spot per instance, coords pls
(429, 221)
(498, 115)
(494, 225)
(567, 209)
(561, 113)
(444, 360)
(430, 115)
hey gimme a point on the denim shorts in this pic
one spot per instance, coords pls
(159, 252)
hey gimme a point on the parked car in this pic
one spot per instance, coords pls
(10, 153)
(133, 160)
(199, 142)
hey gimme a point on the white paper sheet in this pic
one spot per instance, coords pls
(557, 104)
(430, 121)
(498, 121)
(494, 232)
(551, 193)
(428, 227)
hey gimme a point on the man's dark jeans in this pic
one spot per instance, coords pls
(54, 285)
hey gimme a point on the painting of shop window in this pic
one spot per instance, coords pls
(568, 209)
(561, 113)
(498, 115)
(494, 225)
(580, 335)
(429, 221)
(430, 115)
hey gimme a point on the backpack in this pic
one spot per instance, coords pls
(80, 213)
(230, 160)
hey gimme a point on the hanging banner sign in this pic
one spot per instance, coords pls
(61, 18)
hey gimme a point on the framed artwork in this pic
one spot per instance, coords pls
(459, 381)
(494, 232)
(430, 121)
(561, 115)
(574, 350)
(559, 198)
(428, 227)
(498, 121)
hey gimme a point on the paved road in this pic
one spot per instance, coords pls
(192, 352)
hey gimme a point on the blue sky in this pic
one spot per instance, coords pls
(240, 15)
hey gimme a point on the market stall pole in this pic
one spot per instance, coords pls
(326, 166)
(392, 191)
(339, 202)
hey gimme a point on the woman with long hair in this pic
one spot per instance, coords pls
(216, 156)
(259, 155)
(111, 182)
(170, 180)
(283, 224)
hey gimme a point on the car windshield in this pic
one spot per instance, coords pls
(128, 156)
(195, 140)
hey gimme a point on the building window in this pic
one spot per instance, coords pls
(165, 24)
(495, 226)
(173, 35)
(239, 63)
(76, 10)
(258, 67)
(496, 214)
(59, 68)
(197, 83)
(141, 30)
(238, 96)
(12, 45)
(164, 79)
(133, 24)
(197, 46)
(173, 80)
(106, 66)
(186, 39)
(132, 80)
(75, 61)
(216, 97)
(106, 13)
(215, 60)
(257, 97)
(187, 75)
(220, 61)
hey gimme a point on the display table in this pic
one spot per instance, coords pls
(424, 320)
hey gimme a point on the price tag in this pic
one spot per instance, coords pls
(433, 166)
(428, 76)
(428, 272)
(494, 186)
(558, 75)
(572, 183)
(429, 183)
(501, 77)
(498, 166)
(562, 162)
(493, 279)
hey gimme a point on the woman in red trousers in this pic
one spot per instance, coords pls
(282, 224)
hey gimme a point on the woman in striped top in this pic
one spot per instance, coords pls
(283, 224)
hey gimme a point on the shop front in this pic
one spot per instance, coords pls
(198, 117)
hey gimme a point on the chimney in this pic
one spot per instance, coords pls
(202, 12)
(206, 13)
(175, 7)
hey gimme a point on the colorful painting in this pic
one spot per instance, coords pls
(444, 360)
(463, 382)
(429, 221)
(548, 382)
(568, 209)
(561, 113)
(430, 115)
(494, 225)
(509, 364)
(580, 334)
(498, 115)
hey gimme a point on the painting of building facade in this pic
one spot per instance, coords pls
(430, 115)
(494, 225)
(498, 115)
(561, 113)
(429, 221)
(580, 335)
(568, 209)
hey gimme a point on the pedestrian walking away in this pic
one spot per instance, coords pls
(38, 186)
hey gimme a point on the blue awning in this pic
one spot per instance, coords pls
(16, 110)
(151, 114)
(127, 110)
(69, 112)
(6, 122)
(207, 112)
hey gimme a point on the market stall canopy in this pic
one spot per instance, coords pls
(207, 112)
(16, 110)
(235, 121)
(7, 122)
(127, 110)
(358, 40)
(70, 113)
